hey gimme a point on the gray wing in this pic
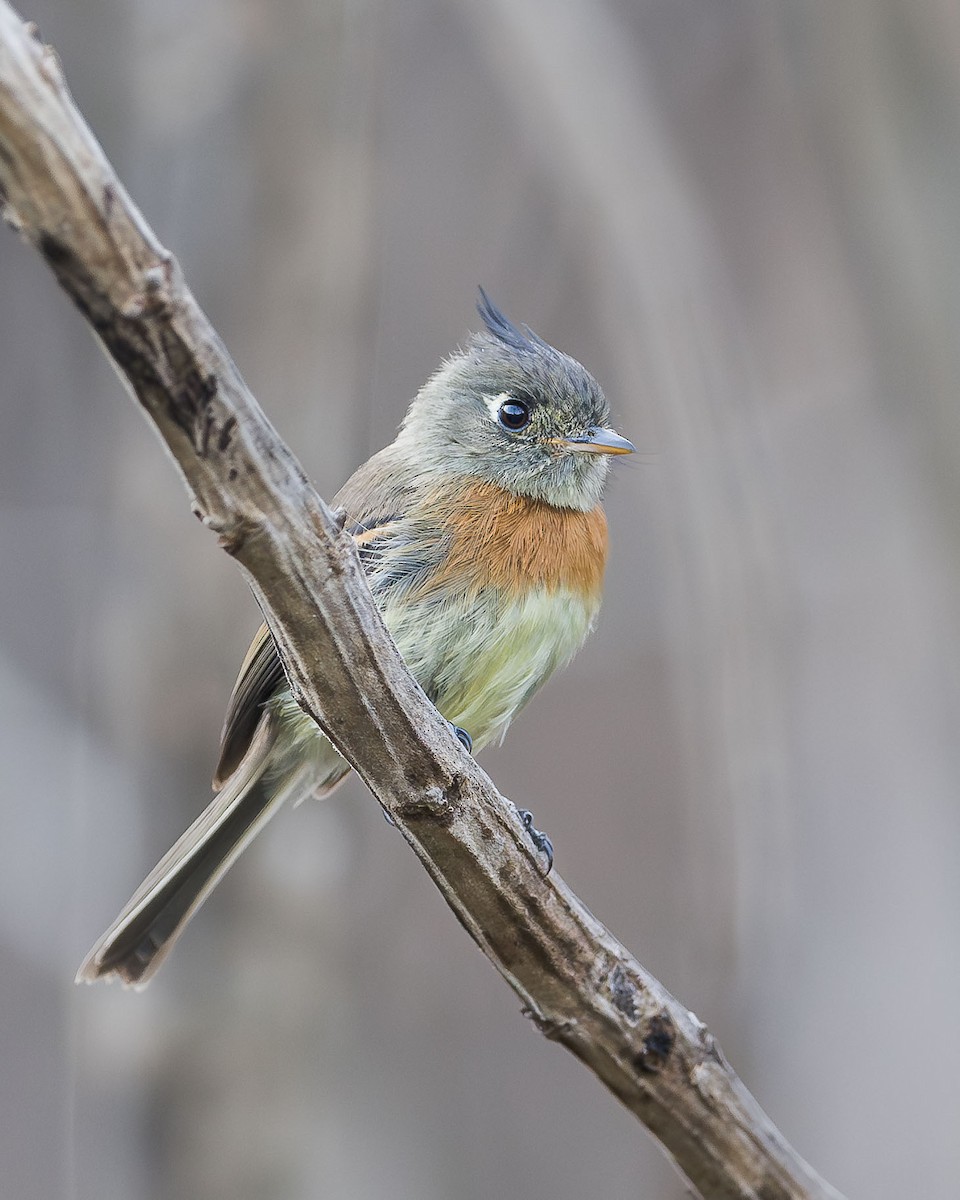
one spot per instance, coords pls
(261, 675)
(375, 497)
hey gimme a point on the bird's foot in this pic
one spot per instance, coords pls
(540, 840)
(464, 738)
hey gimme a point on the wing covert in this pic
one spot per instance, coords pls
(261, 674)
(378, 487)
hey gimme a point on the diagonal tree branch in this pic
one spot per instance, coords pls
(580, 986)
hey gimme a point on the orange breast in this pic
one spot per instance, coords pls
(516, 543)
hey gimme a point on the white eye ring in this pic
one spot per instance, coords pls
(495, 403)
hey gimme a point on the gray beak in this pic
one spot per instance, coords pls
(598, 441)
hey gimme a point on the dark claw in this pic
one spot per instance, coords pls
(540, 840)
(464, 738)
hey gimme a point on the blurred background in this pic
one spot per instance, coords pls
(744, 218)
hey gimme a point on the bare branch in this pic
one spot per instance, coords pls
(580, 986)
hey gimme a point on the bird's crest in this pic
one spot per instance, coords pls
(517, 337)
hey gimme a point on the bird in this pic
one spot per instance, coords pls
(483, 538)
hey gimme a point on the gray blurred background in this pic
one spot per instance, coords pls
(745, 219)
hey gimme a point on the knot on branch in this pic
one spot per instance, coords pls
(624, 993)
(659, 1039)
(554, 1029)
(433, 802)
(155, 297)
(232, 532)
(51, 68)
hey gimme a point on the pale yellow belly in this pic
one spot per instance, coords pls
(480, 666)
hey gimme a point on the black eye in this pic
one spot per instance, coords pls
(514, 415)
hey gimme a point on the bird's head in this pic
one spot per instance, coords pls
(512, 411)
